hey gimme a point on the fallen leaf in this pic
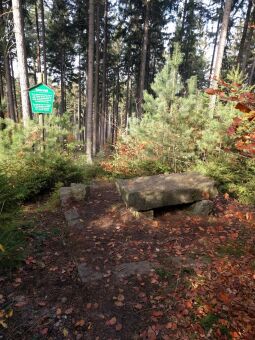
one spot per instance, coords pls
(112, 321)
(65, 332)
(119, 303)
(171, 325)
(224, 297)
(138, 306)
(157, 313)
(58, 311)
(44, 331)
(121, 297)
(118, 327)
(69, 311)
(80, 323)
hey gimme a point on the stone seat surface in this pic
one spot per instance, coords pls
(151, 192)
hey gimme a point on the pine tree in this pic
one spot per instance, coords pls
(90, 84)
(22, 61)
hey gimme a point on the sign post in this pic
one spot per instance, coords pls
(41, 99)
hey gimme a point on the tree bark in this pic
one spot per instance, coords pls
(6, 60)
(127, 100)
(43, 43)
(22, 60)
(62, 83)
(90, 84)
(104, 80)
(9, 92)
(251, 76)
(96, 103)
(220, 51)
(215, 42)
(14, 92)
(247, 43)
(244, 34)
(38, 57)
(143, 58)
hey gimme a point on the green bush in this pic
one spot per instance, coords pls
(36, 174)
(234, 173)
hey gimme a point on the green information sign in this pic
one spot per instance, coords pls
(41, 98)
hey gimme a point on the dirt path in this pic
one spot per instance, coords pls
(197, 282)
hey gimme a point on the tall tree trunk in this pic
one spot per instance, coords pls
(220, 51)
(62, 83)
(143, 58)
(6, 59)
(90, 84)
(251, 76)
(104, 80)
(1, 87)
(22, 60)
(244, 34)
(79, 98)
(184, 13)
(15, 103)
(43, 43)
(96, 103)
(38, 54)
(116, 122)
(9, 92)
(215, 42)
(127, 100)
(247, 43)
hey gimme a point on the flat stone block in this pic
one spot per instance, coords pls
(132, 268)
(203, 208)
(87, 274)
(65, 195)
(151, 192)
(79, 191)
(76, 224)
(71, 214)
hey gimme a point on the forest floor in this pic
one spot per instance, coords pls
(202, 285)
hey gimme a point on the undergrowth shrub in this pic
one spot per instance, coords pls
(29, 167)
(176, 130)
(234, 173)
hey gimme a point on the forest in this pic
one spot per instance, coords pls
(94, 92)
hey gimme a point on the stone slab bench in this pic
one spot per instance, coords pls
(151, 192)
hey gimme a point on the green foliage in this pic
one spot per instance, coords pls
(30, 167)
(169, 133)
(234, 173)
(12, 240)
(208, 321)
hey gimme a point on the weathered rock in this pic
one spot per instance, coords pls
(132, 268)
(79, 191)
(88, 274)
(203, 208)
(65, 195)
(147, 193)
(76, 224)
(71, 215)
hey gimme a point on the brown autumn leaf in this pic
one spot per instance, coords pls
(121, 297)
(44, 331)
(242, 107)
(69, 311)
(111, 322)
(171, 325)
(58, 311)
(138, 306)
(224, 297)
(118, 327)
(119, 303)
(157, 313)
(80, 323)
